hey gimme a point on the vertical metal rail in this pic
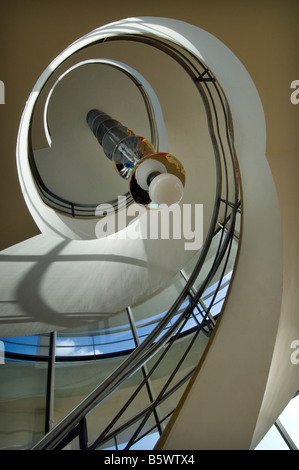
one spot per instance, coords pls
(49, 420)
(144, 369)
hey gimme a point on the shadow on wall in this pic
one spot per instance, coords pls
(56, 288)
(30, 306)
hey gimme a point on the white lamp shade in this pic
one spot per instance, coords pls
(145, 169)
(166, 189)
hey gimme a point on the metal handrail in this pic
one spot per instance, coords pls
(139, 356)
(137, 416)
(82, 410)
(151, 345)
(162, 395)
(75, 209)
(79, 210)
(148, 347)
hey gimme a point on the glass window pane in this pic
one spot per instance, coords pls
(75, 380)
(37, 345)
(289, 418)
(107, 336)
(148, 442)
(23, 388)
(272, 441)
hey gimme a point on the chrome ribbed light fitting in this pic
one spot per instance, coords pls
(155, 178)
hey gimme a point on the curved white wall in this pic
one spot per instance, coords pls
(228, 387)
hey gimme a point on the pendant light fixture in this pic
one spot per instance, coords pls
(155, 178)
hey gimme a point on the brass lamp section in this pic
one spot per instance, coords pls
(154, 178)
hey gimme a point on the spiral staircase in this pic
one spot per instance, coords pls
(127, 334)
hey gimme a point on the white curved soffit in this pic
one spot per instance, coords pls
(48, 221)
(153, 99)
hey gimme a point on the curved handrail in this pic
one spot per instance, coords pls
(71, 208)
(151, 345)
(139, 356)
(75, 209)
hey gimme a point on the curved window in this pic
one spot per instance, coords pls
(114, 340)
